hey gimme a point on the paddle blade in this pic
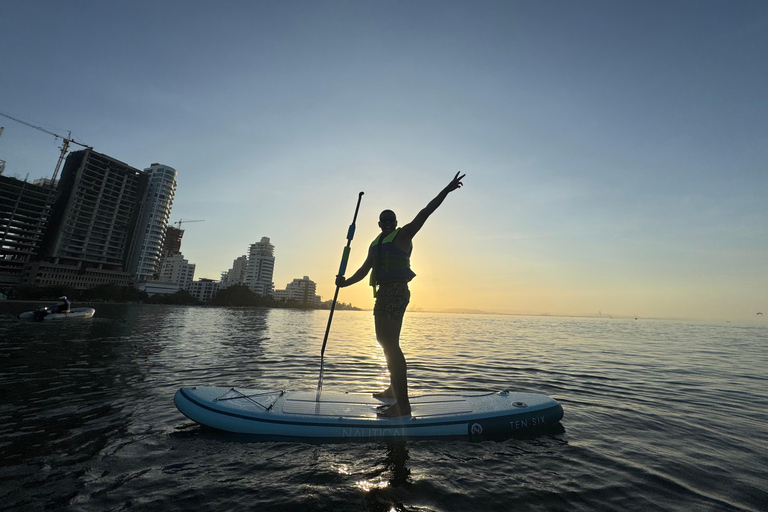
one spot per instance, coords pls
(319, 383)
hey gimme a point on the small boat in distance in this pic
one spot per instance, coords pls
(47, 313)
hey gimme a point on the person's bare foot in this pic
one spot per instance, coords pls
(395, 410)
(387, 393)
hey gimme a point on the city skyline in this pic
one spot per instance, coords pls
(614, 152)
(102, 214)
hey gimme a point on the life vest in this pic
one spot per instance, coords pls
(389, 262)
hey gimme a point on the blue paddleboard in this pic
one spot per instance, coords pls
(353, 415)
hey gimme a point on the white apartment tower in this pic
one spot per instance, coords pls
(177, 270)
(235, 275)
(160, 194)
(261, 265)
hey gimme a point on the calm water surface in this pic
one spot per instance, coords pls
(659, 415)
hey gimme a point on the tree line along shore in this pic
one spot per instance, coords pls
(233, 296)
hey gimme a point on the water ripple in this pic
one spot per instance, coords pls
(658, 415)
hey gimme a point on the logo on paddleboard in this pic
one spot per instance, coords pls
(476, 429)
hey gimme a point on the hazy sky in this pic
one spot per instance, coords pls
(616, 152)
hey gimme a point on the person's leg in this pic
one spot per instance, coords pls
(391, 302)
(388, 335)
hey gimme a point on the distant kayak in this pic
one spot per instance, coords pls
(46, 314)
(353, 415)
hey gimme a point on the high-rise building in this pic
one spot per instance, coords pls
(261, 265)
(177, 270)
(154, 220)
(235, 275)
(93, 224)
(300, 290)
(24, 212)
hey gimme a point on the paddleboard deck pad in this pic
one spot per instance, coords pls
(353, 415)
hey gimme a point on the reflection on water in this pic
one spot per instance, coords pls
(658, 415)
(392, 472)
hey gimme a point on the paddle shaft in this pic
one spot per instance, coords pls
(342, 270)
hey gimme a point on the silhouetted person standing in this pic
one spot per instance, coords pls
(389, 260)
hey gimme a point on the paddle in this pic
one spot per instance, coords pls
(342, 270)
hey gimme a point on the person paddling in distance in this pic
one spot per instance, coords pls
(389, 263)
(63, 305)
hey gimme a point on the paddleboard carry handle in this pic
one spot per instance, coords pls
(342, 270)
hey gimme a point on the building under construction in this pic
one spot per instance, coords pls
(172, 242)
(102, 222)
(24, 212)
(92, 229)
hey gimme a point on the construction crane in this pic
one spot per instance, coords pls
(185, 221)
(64, 146)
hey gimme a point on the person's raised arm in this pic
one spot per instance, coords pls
(409, 230)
